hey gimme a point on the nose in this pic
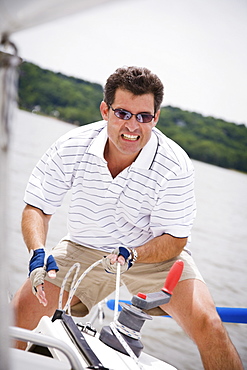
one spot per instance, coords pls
(132, 124)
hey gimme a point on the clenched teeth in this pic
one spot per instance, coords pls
(130, 137)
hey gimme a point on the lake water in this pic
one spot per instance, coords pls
(219, 238)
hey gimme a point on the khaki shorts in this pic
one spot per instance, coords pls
(98, 284)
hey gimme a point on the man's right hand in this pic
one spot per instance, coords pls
(38, 267)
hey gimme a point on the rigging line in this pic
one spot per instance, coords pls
(125, 345)
(77, 267)
(117, 292)
(75, 286)
(113, 325)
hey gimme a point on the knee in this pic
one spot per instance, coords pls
(79, 310)
(208, 327)
(19, 304)
(23, 303)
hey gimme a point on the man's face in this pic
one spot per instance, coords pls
(128, 137)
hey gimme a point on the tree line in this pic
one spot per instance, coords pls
(76, 101)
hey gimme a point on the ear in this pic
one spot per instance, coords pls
(156, 118)
(104, 110)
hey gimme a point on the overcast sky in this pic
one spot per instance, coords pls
(197, 47)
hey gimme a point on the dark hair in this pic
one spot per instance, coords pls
(138, 81)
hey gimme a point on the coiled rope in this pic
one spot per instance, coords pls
(74, 285)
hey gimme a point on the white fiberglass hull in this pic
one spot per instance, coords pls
(110, 358)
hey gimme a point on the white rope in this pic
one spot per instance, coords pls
(113, 325)
(74, 286)
(125, 345)
(127, 331)
(117, 292)
(77, 267)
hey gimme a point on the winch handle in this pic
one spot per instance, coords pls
(173, 277)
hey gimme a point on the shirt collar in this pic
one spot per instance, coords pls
(97, 146)
(144, 159)
(147, 154)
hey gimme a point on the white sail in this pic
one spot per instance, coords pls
(22, 14)
(16, 16)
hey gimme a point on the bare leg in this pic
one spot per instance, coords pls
(27, 309)
(192, 307)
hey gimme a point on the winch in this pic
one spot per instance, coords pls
(132, 317)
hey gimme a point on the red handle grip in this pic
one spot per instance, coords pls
(173, 277)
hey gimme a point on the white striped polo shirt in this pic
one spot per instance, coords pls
(155, 195)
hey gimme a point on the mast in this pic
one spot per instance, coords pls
(8, 95)
(16, 16)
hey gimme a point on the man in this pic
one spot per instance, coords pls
(133, 199)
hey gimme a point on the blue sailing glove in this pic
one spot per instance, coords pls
(129, 255)
(39, 266)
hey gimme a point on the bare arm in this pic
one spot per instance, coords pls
(161, 248)
(34, 227)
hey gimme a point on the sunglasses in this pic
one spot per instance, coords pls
(126, 115)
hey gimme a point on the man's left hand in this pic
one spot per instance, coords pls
(121, 255)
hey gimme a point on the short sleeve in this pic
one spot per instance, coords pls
(48, 183)
(175, 208)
